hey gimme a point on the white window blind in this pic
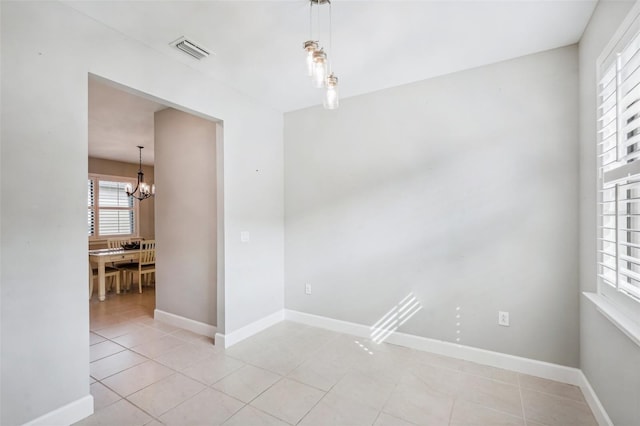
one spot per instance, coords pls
(619, 171)
(111, 211)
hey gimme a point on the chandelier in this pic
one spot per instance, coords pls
(318, 63)
(142, 190)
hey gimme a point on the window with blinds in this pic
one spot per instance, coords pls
(110, 211)
(619, 171)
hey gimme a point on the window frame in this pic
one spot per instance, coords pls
(622, 301)
(96, 177)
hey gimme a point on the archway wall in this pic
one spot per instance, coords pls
(48, 50)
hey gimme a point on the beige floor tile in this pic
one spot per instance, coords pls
(439, 360)
(499, 374)
(288, 400)
(120, 413)
(250, 416)
(213, 368)
(549, 386)
(190, 336)
(96, 324)
(469, 414)
(102, 396)
(414, 402)
(412, 387)
(443, 380)
(321, 372)
(139, 337)
(115, 363)
(385, 366)
(385, 419)
(344, 348)
(103, 349)
(247, 383)
(274, 358)
(119, 330)
(337, 410)
(150, 322)
(364, 388)
(138, 377)
(183, 356)
(136, 314)
(490, 393)
(95, 338)
(209, 407)
(155, 348)
(162, 396)
(555, 411)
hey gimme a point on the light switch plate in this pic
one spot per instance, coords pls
(503, 318)
(244, 236)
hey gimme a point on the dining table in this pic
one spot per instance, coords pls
(101, 257)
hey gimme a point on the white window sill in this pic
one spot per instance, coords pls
(612, 313)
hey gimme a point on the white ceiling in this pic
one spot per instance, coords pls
(118, 122)
(376, 44)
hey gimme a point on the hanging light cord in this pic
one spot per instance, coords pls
(330, 41)
(310, 20)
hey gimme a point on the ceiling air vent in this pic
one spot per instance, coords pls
(191, 48)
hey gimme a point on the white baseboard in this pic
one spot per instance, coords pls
(481, 356)
(594, 402)
(230, 339)
(67, 414)
(532, 367)
(185, 323)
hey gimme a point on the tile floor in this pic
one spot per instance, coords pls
(144, 372)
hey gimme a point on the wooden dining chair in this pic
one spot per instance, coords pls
(145, 267)
(117, 242)
(109, 272)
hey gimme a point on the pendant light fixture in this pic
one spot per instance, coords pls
(142, 190)
(331, 95)
(318, 63)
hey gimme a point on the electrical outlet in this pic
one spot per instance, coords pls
(503, 318)
(307, 288)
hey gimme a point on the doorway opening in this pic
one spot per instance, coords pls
(178, 300)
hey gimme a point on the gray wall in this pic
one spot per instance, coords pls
(608, 358)
(48, 51)
(185, 160)
(460, 189)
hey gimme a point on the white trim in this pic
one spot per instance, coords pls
(67, 414)
(629, 327)
(219, 340)
(96, 237)
(230, 339)
(533, 367)
(620, 33)
(185, 323)
(594, 402)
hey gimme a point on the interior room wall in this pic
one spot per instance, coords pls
(120, 168)
(48, 52)
(185, 153)
(608, 358)
(460, 190)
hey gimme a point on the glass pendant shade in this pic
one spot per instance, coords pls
(331, 98)
(319, 68)
(310, 47)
